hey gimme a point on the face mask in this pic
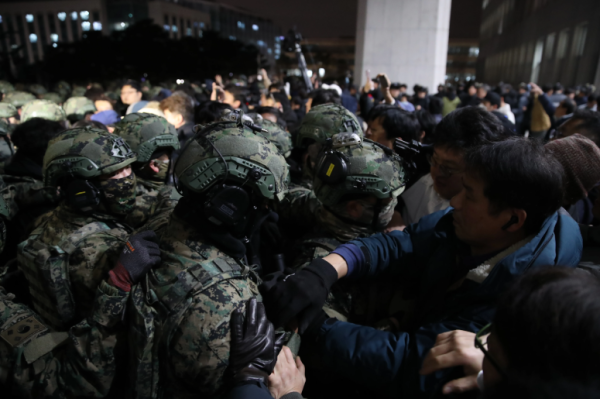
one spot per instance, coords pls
(382, 219)
(163, 170)
(119, 194)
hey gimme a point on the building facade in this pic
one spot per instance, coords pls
(461, 64)
(542, 41)
(28, 27)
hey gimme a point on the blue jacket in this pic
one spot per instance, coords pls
(424, 256)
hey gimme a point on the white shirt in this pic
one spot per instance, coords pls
(422, 200)
(505, 109)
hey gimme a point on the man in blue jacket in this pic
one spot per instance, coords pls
(455, 262)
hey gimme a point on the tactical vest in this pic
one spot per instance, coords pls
(46, 268)
(155, 312)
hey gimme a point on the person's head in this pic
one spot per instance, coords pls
(322, 96)
(570, 93)
(227, 174)
(436, 104)
(322, 123)
(234, 96)
(580, 158)
(210, 112)
(482, 91)
(458, 132)
(276, 135)
(492, 101)
(178, 110)
(78, 108)
(153, 139)
(395, 90)
(18, 99)
(558, 88)
(359, 182)
(388, 122)
(32, 137)
(566, 107)
(9, 113)
(427, 123)
(546, 328)
(92, 167)
(548, 89)
(509, 188)
(584, 122)
(592, 101)
(131, 92)
(43, 109)
(471, 89)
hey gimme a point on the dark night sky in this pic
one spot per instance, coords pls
(337, 18)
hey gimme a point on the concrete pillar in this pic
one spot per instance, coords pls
(406, 39)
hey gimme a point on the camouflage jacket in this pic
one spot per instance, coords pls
(43, 363)
(197, 351)
(299, 207)
(95, 255)
(152, 200)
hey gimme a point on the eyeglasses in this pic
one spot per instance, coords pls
(486, 330)
(444, 170)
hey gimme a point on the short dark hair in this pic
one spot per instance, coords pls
(468, 127)
(519, 173)
(589, 124)
(592, 98)
(322, 96)
(396, 122)
(568, 105)
(32, 137)
(492, 98)
(548, 326)
(239, 93)
(181, 104)
(133, 83)
(210, 112)
(436, 104)
(427, 122)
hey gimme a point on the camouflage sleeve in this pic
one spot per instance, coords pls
(199, 350)
(89, 265)
(153, 204)
(299, 207)
(80, 363)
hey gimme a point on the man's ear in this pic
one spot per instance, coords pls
(516, 220)
(422, 136)
(153, 165)
(237, 104)
(178, 119)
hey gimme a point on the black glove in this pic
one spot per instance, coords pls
(254, 345)
(139, 255)
(300, 295)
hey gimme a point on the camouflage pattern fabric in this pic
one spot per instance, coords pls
(198, 352)
(18, 98)
(324, 121)
(96, 254)
(83, 366)
(77, 107)
(78, 91)
(6, 87)
(62, 88)
(299, 207)
(53, 97)
(147, 133)
(7, 150)
(8, 110)
(151, 203)
(278, 136)
(42, 109)
(37, 89)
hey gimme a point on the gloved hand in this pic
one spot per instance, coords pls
(254, 345)
(300, 295)
(139, 255)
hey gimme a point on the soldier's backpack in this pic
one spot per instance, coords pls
(46, 269)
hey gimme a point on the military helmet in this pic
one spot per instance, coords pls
(43, 109)
(6, 87)
(278, 136)
(18, 98)
(323, 121)
(8, 110)
(351, 165)
(78, 91)
(146, 133)
(78, 106)
(63, 88)
(85, 153)
(54, 97)
(37, 89)
(233, 151)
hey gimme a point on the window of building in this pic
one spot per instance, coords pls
(174, 28)
(549, 50)
(74, 15)
(86, 26)
(232, 38)
(563, 42)
(473, 51)
(579, 39)
(241, 25)
(62, 16)
(202, 25)
(260, 43)
(54, 37)
(85, 15)
(254, 27)
(33, 38)
(270, 50)
(29, 18)
(167, 28)
(42, 26)
(174, 25)
(537, 60)
(97, 26)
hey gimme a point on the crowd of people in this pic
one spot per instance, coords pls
(249, 238)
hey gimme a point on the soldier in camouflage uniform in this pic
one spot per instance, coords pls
(8, 113)
(7, 149)
(355, 204)
(37, 89)
(6, 87)
(18, 98)
(153, 139)
(43, 109)
(227, 173)
(54, 97)
(78, 108)
(81, 239)
(63, 89)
